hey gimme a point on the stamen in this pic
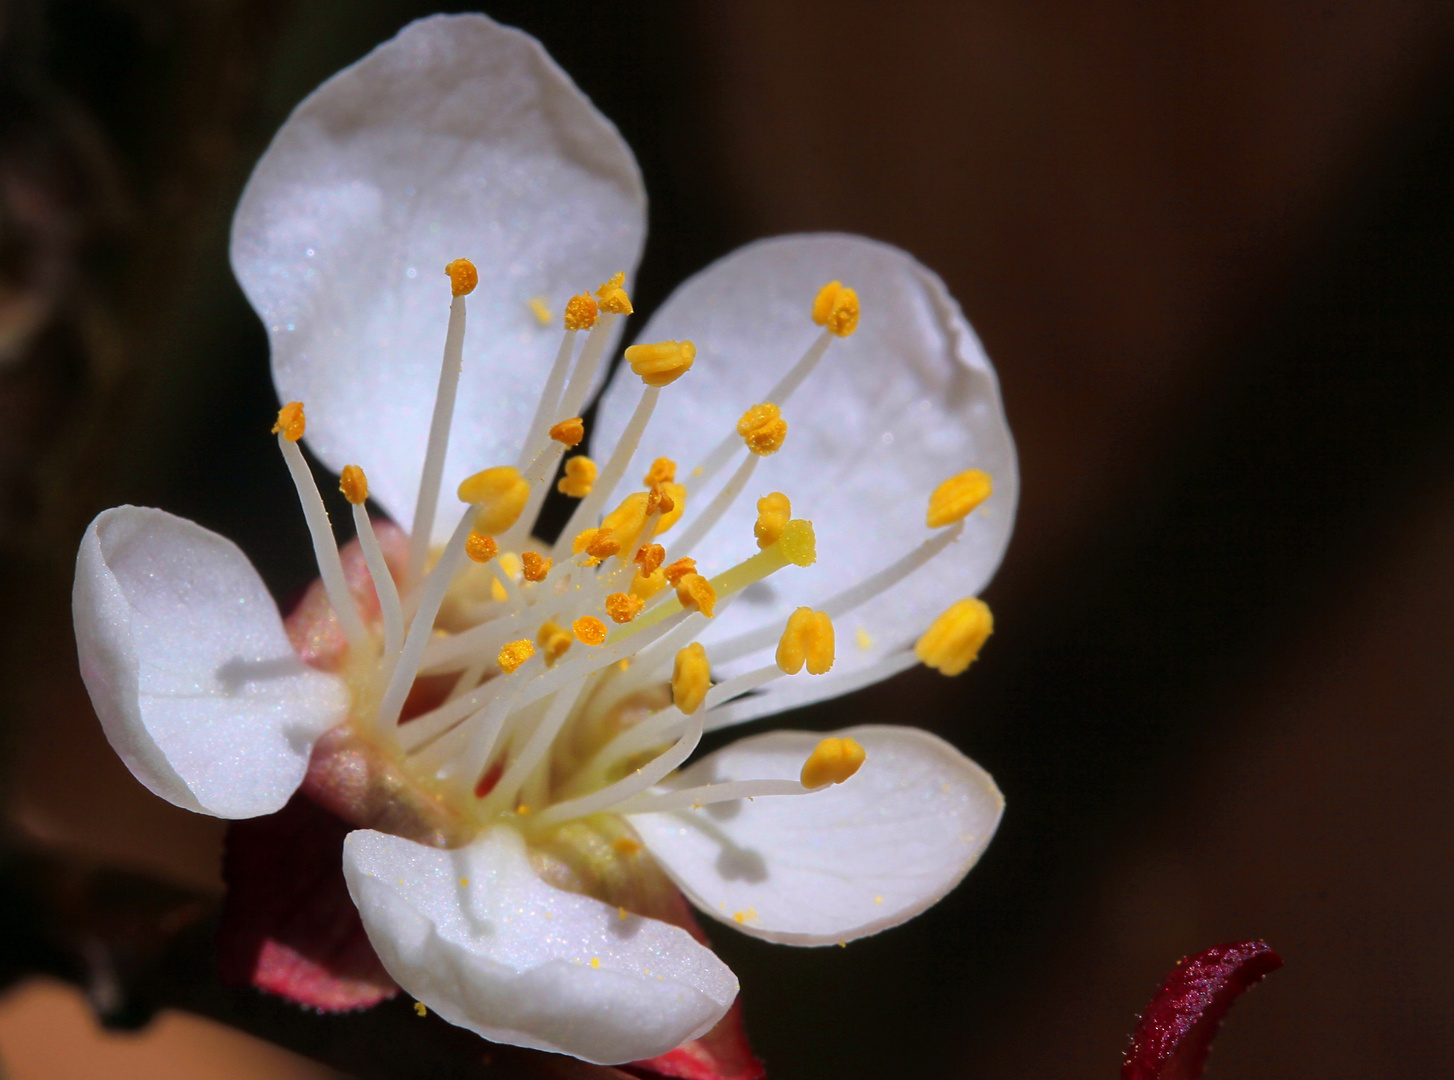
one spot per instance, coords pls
(480, 549)
(534, 751)
(499, 493)
(648, 558)
(695, 591)
(615, 468)
(639, 781)
(569, 432)
(355, 487)
(704, 522)
(623, 607)
(774, 511)
(514, 654)
(613, 296)
(763, 429)
(662, 363)
(581, 312)
(832, 761)
(740, 684)
(536, 566)
(695, 798)
(954, 639)
(808, 637)
(325, 547)
(589, 630)
(691, 678)
(663, 471)
(462, 278)
(550, 395)
(680, 569)
(554, 641)
(579, 478)
(836, 309)
(954, 499)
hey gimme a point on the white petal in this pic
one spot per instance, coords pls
(837, 864)
(459, 137)
(480, 939)
(907, 401)
(189, 667)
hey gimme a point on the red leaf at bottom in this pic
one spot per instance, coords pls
(1176, 1030)
(288, 925)
(722, 1054)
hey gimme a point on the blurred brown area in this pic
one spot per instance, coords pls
(1207, 246)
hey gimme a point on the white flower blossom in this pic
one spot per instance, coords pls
(573, 693)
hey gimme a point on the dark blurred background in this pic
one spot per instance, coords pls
(1210, 248)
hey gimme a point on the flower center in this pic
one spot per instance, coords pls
(565, 679)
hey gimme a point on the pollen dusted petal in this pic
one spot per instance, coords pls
(337, 242)
(838, 863)
(509, 957)
(190, 670)
(891, 411)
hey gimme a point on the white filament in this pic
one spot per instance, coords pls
(389, 609)
(325, 547)
(433, 472)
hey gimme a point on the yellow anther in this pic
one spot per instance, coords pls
(534, 566)
(763, 428)
(510, 563)
(602, 544)
(774, 511)
(954, 639)
(463, 277)
(836, 307)
(481, 548)
(497, 591)
(798, 543)
(291, 421)
(539, 309)
(645, 586)
(628, 519)
(354, 485)
(579, 478)
(659, 500)
(832, 761)
(570, 432)
(581, 312)
(671, 501)
(420, 1009)
(808, 637)
(649, 558)
(500, 493)
(663, 471)
(612, 295)
(623, 607)
(680, 569)
(691, 678)
(589, 630)
(663, 362)
(514, 654)
(553, 640)
(695, 591)
(956, 497)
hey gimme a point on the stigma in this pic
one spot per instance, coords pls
(572, 677)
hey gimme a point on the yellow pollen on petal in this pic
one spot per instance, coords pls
(534, 566)
(554, 640)
(354, 485)
(589, 630)
(514, 654)
(649, 557)
(465, 882)
(291, 421)
(695, 591)
(954, 499)
(774, 511)
(625, 845)
(481, 548)
(539, 309)
(763, 429)
(863, 639)
(595, 961)
(807, 638)
(579, 478)
(612, 295)
(663, 362)
(832, 761)
(680, 569)
(581, 312)
(953, 640)
(501, 494)
(570, 432)
(742, 917)
(463, 277)
(623, 607)
(691, 678)
(663, 471)
(645, 586)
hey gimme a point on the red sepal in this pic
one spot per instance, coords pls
(1176, 1030)
(288, 924)
(722, 1054)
